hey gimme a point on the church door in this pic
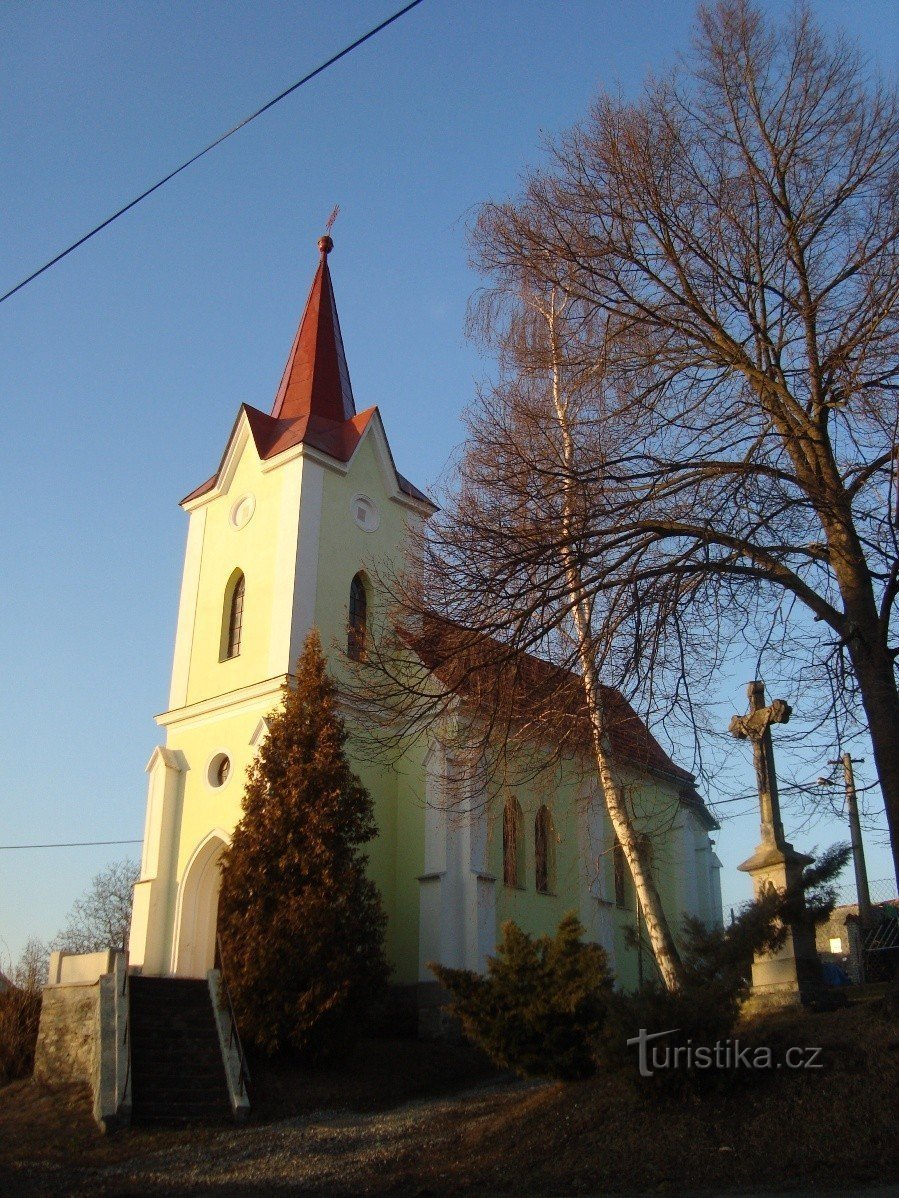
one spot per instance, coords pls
(195, 945)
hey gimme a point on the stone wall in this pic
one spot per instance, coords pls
(67, 1039)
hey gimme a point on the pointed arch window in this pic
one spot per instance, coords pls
(232, 616)
(355, 643)
(513, 844)
(544, 852)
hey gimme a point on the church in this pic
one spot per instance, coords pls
(284, 536)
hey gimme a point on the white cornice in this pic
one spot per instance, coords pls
(245, 696)
(241, 436)
(298, 451)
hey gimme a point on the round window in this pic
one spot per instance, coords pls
(219, 770)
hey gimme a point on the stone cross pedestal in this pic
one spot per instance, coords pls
(793, 973)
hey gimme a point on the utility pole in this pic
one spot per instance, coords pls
(855, 832)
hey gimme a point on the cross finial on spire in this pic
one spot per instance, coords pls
(316, 382)
(326, 243)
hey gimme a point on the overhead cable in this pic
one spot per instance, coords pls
(212, 145)
(69, 844)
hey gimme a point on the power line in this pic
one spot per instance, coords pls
(212, 145)
(70, 844)
(747, 798)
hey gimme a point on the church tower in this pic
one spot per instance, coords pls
(284, 536)
(303, 512)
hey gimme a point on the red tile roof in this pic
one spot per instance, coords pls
(316, 380)
(314, 405)
(476, 665)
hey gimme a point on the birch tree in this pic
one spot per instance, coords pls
(516, 657)
(567, 408)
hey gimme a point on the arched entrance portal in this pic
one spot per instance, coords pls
(198, 900)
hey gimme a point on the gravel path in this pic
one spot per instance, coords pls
(330, 1152)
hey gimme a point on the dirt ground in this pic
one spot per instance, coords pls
(385, 1123)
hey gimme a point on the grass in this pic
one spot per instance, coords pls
(826, 1128)
(381, 1073)
(55, 1124)
(822, 1129)
(20, 1012)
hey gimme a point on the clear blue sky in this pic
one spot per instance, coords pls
(121, 370)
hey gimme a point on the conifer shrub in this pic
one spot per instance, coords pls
(540, 1006)
(546, 1006)
(301, 925)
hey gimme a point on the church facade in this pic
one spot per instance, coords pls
(285, 536)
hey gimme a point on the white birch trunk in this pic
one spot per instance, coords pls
(661, 939)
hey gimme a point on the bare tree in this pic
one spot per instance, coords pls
(733, 238)
(101, 917)
(30, 971)
(568, 390)
(498, 612)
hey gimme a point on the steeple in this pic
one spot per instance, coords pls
(316, 382)
(314, 405)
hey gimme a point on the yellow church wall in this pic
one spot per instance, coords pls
(380, 782)
(345, 548)
(534, 912)
(201, 808)
(264, 549)
(410, 860)
(655, 808)
(207, 806)
(657, 812)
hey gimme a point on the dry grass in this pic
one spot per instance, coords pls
(381, 1073)
(20, 1012)
(55, 1124)
(834, 1126)
(823, 1129)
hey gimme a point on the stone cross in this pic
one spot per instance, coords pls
(756, 727)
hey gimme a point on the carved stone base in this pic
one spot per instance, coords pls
(792, 975)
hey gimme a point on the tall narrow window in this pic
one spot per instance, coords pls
(513, 844)
(544, 851)
(355, 643)
(620, 867)
(232, 621)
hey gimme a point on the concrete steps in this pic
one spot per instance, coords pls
(177, 1073)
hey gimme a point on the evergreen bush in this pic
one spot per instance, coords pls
(301, 925)
(541, 1005)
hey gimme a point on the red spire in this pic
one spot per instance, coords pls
(316, 381)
